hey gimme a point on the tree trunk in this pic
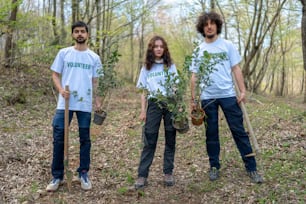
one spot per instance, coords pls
(107, 16)
(98, 30)
(203, 4)
(283, 71)
(304, 41)
(225, 25)
(132, 52)
(283, 78)
(75, 10)
(63, 31)
(304, 86)
(53, 21)
(8, 49)
(141, 46)
(213, 5)
(254, 44)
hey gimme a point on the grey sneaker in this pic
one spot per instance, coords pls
(85, 182)
(255, 177)
(169, 180)
(140, 183)
(213, 174)
(54, 184)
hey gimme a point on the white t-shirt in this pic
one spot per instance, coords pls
(221, 82)
(77, 69)
(153, 79)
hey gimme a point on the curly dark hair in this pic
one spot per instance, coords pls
(150, 57)
(203, 18)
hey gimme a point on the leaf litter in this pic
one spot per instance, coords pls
(26, 153)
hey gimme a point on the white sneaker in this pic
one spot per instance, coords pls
(85, 182)
(54, 184)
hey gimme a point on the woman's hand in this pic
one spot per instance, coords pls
(193, 104)
(143, 116)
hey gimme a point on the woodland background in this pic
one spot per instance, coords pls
(270, 36)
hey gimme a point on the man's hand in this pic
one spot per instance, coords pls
(57, 82)
(64, 93)
(242, 98)
(98, 103)
(239, 84)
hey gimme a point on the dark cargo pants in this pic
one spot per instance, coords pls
(155, 113)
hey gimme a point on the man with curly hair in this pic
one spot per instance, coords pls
(220, 92)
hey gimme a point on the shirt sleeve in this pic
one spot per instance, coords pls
(194, 61)
(174, 69)
(142, 82)
(234, 55)
(98, 69)
(58, 63)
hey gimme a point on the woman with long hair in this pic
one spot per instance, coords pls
(158, 64)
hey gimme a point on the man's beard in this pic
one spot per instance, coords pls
(210, 36)
(80, 40)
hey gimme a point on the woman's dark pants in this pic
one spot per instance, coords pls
(155, 113)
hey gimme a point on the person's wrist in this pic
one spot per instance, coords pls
(60, 90)
(193, 100)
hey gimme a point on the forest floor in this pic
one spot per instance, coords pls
(27, 107)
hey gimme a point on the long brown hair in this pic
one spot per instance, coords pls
(150, 57)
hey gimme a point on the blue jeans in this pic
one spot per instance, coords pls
(234, 118)
(150, 135)
(84, 119)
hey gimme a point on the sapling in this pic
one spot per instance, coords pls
(107, 81)
(175, 85)
(206, 63)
